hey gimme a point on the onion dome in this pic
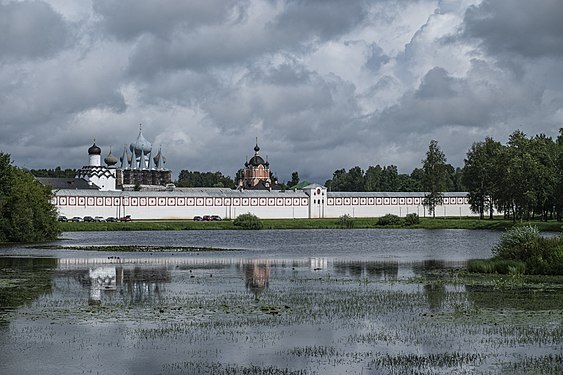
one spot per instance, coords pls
(157, 157)
(94, 150)
(159, 160)
(256, 160)
(141, 145)
(110, 160)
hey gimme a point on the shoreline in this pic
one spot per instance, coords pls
(358, 223)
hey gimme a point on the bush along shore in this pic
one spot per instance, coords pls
(343, 222)
(523, 250)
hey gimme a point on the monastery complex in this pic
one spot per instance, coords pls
(139, 185)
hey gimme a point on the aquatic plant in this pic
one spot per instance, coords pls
(525, 244)
(389, 219)
(345, 221)
(412, 219)
(248, 221)
(500, 266)
(518, 243)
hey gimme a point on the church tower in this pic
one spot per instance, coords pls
(256, 173)
(94, 155)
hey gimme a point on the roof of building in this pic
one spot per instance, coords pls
(189, 192)
(110, 159)
(398, 194)
(94, 150)
(94, 171)
(140, 144)
(256, 160)
(68, 183)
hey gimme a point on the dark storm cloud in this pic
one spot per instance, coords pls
(322, 19)
(323, 84)
(218, 48)
(483, 97)
(290, 104)
(522, 27)
(30, 30)
(127, 19)
(292, 30)
(436, 84)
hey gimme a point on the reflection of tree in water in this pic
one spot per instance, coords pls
(144, 284)
(435, 295)
(379, 270)
(22, 280)
(256, 276)
(435, 292)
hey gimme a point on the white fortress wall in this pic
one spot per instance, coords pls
(264, 204)
(180, 205)
(378, 204)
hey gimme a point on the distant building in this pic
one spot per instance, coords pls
(141, 166)
(95, 173)
(256, 173)
(138, 168)
(142, 188)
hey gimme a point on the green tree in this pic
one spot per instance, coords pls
(480, 175)
(239, 176)
(435, 176)
(340, 181)
(407, 183)
(544, 151)
(26, 212)
(559, 184)
(417, 175)
(203, 179)
(356, 179)
(294, 180)
(518, 170)
(372, 178)
(390, 178)
(57, 172)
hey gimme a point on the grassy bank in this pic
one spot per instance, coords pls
(523, 250)
(425, 223)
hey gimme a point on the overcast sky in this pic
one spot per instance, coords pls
(323, 84)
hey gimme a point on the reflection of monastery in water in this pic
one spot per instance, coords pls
(139, 185)
(256, 276)
(135, 284)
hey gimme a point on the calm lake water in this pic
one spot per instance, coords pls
(359, 244)
(278, 302)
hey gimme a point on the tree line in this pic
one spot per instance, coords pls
(522, 179)
(54, 173)
(26, 213)
(388, 178)
(187, 178)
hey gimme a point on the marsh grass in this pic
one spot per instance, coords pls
(305, 324)
(133, 248)
(523, 250)
(500, 266)
(194, 367)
